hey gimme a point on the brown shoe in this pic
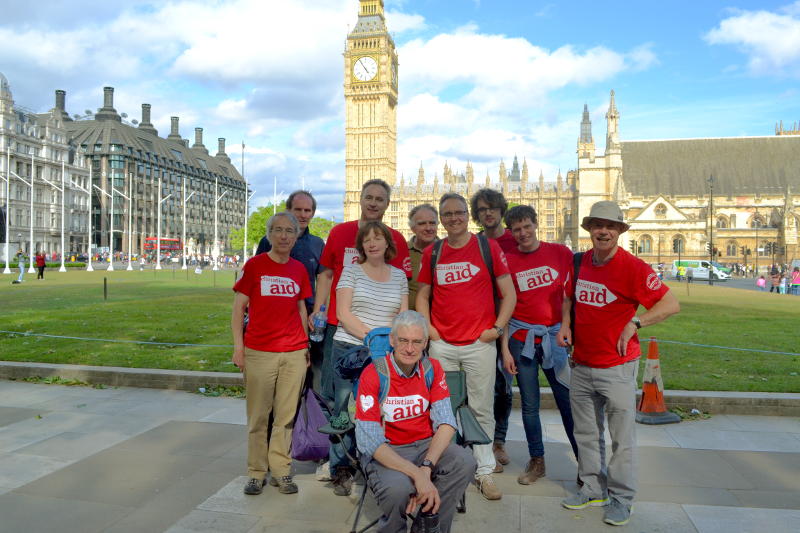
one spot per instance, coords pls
(498, 468)
(487, 487)
(500, 454)
(533, 471)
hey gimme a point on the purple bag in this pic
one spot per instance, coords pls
(308, 444)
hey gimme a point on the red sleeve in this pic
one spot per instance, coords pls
(367, 408)
(245, 283)
(499, 262)
(647, 288)
(403, 259)
(328, 258)
(439, 390)
(425, 266)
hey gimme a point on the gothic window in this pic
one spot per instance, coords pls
(645, 244)
(722, 221)
(661, 211)
(551, 220)
(678, 244)
(757, 221)
(762, 248)
(731, 249)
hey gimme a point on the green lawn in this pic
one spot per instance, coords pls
(167, 307)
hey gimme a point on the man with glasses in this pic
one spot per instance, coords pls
(340, 250)
(488, 207)
(406, 437)
(424, 222)
(462, 318)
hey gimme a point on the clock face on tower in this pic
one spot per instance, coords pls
(365, 68)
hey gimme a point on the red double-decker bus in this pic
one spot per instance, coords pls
(167, 245)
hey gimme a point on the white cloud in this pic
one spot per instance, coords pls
(402, 22)
(770, 40)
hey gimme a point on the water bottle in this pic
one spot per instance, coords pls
(426, 523)
(320, 321)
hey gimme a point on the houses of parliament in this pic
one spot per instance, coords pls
(733, 197)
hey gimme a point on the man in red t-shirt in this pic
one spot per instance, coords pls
(488, 207)
(405, 440)
(273, 352)
(340, 250)
(610, 286)
(540, 271)
(463, 322)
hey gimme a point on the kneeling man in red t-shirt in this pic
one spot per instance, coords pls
(405, 440)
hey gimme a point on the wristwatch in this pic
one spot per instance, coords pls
(499, 330)
(428, 463)
(637, 322)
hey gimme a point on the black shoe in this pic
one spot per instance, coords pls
(342, 481)
(254, 486)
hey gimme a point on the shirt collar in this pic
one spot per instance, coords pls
(401, 373)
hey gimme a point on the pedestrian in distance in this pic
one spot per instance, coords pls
(761, 283)
(40, 264)
(795, 281)
(774, 279)
(689, 274)
(610, 286)
(20, 257)
(272, 353)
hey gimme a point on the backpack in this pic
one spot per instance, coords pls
(384, 375)
(486, 254)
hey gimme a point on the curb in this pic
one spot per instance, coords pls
(713, 402)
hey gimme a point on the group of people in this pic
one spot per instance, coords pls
(497, 305)
(781, 281)
(39, 260)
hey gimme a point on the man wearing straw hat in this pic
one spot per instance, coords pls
(610, 285)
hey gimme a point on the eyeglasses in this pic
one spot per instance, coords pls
(454, 214)
(285, 231)
(482, 210)
(414, 343)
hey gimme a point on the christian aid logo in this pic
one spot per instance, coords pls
(536, 278)
(396, 408)
(455, 273)
(278, 286)
(350, 256)
(595, 294)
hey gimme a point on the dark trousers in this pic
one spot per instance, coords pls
(40, 275)
(344, 447)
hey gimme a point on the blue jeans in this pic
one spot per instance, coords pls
(327, 365)
(503, 399)
(528, 383)
(342, 389)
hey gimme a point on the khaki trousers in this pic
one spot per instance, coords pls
(273, 381)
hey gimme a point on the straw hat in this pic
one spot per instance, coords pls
(605, 210)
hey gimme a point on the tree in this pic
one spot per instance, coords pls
(257, 226)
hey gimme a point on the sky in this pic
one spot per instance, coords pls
(479, 80)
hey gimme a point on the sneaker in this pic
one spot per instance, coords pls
(254, 486)
(580, 501)
(487, 487)
(324, 471)
(533, 471)
(342, 481)
(617, 513)
(500, 454)
(284, 483)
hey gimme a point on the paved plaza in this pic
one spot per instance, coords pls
(82, 460)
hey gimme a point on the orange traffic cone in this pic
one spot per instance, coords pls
(651, 409)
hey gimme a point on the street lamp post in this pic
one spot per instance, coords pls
(30, 186)
(130, 209)
(89, 267)
(757, 224)
(111, 232)
(7, 270)
(185, 199)
(61, 190)
(31, 270)
(711, 230)
(246, 213)
(217, 198)
(158, 236)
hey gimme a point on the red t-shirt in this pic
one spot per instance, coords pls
(507, 241)
(406, 410)
(340, 249)
(607, 298)
(274, 290)
(539, 279)
(463, 300)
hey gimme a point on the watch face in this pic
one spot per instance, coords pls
(365, 68)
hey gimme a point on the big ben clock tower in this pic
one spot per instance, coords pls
(370, 94)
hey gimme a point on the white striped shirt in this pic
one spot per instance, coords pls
(375, 303)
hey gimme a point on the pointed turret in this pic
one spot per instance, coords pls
(503, 173)
(515, 172)
(612, 127)
(524, 177)
(585, 141)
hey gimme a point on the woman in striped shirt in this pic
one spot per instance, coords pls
(369, 295)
